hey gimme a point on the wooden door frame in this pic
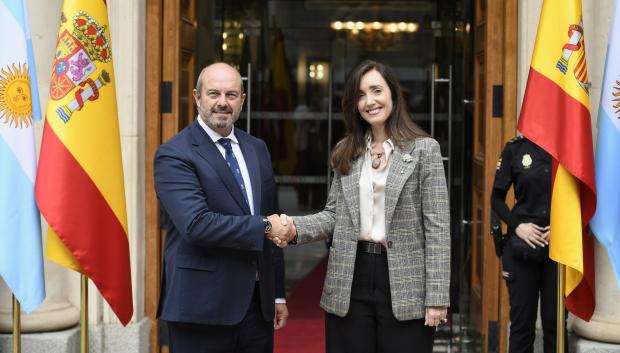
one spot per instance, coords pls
(170, 33)
(509, 129)
(498, 50)
(504, 72)
(154, 39)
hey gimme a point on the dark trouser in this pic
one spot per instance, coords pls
(252, 335)
(370, 326)
(525, 280)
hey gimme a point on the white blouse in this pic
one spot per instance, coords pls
(372, 196)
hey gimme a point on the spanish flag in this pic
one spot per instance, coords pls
(79, 186)
(556, 116)
(282, 132)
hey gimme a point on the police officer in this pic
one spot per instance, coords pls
(527, 268)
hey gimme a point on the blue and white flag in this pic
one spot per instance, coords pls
(606, 221)
(21, 256)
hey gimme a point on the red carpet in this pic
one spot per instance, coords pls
(305, 330)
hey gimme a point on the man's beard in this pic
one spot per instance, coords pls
(219, 124)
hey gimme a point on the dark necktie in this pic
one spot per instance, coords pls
(234, 166)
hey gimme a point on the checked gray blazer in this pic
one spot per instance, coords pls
(418, 232)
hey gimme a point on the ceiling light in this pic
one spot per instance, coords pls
(337, 25)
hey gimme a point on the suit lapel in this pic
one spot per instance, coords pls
(251, 161)
(403, 164)
(207, 149)
(351, 189)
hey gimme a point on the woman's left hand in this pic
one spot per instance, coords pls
(435, 315)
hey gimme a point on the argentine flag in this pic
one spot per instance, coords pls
(21, 257)
(606, 221)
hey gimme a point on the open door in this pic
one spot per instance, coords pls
(495, 46)
(170, 79)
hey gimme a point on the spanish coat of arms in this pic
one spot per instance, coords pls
(75, 61)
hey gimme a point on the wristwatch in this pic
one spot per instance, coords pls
(267, 225)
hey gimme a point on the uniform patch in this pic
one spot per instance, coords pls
(526, 161)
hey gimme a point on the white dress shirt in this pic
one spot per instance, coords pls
(244, 168)
(372, 195)
(237, 152)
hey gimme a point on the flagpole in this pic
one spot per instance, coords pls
(84, 314)
(17, 326)
(560, 309)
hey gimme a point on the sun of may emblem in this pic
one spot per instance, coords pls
(15, 102)
(616, 100)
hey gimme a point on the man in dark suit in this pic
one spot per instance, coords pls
(221, 274)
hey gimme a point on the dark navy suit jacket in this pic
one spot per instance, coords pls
(214, 246)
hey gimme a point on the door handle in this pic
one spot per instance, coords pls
(249, 98)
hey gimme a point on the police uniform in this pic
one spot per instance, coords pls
(527, 167)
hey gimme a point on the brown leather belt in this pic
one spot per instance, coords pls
(370, 247)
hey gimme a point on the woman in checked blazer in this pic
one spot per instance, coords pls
(387, 282)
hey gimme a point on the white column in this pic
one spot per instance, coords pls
(605, 323)
(54, 314)
(128, 31)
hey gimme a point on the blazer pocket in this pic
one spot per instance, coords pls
(196, 263)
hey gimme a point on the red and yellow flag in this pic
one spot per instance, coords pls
(282, 131)
(79, 187)
(556, 116)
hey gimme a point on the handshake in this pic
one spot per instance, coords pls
(282, 231)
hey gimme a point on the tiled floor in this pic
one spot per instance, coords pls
(301, 259)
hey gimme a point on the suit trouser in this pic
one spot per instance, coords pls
(252, 335)
(370, 325)
(525, 281)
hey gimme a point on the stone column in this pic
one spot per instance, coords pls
(56, 312)
(605, 323)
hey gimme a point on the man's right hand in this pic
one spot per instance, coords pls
(288, 221)
(279, 233)
(282, 230)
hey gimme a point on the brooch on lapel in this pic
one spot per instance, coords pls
(407, 158)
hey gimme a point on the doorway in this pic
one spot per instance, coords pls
(294, 56)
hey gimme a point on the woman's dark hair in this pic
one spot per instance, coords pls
(399, 126)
